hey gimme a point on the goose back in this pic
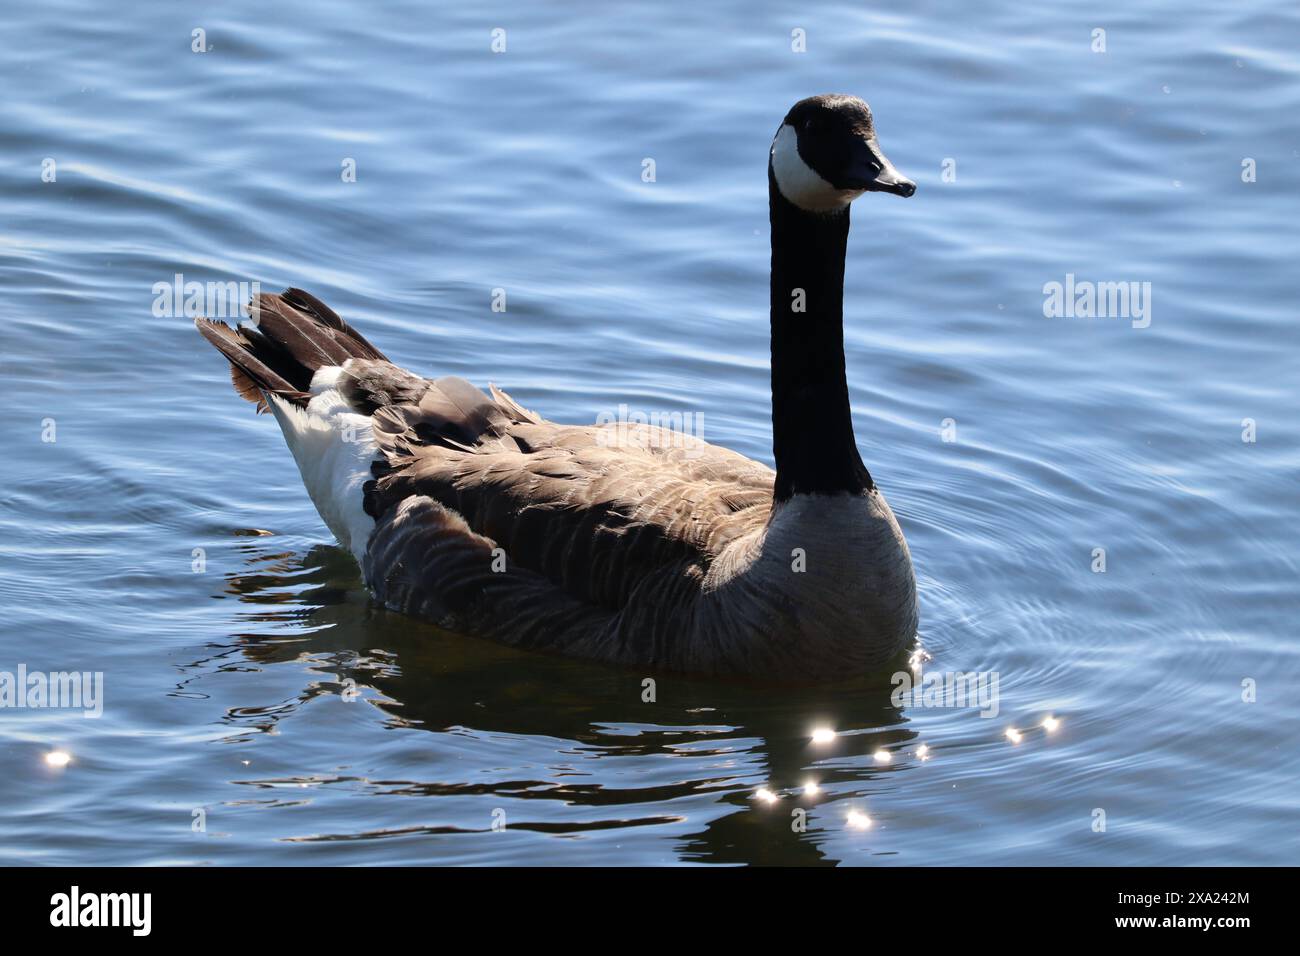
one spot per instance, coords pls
(596, 510)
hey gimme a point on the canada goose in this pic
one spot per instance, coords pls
(623, 543)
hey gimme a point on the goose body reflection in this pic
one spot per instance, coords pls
(714, 767)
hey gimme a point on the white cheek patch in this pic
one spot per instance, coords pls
(797, 180)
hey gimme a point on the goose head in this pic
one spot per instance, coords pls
(825, 155)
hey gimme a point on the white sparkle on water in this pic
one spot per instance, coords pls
(58, 758)
(858, 820)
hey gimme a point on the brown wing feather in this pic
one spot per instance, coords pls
(249, 373)
(594, 510)
(247, 389)
(308, 303)
(426, 561)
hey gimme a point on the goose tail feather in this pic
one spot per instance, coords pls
(289, 337)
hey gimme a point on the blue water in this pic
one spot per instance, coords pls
(260, 710)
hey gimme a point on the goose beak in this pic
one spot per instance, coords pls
(873, 172)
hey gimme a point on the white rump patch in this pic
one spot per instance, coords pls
(334, 447)
(327, 377)
(798, 182)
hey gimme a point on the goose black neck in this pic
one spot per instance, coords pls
(812, 426)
